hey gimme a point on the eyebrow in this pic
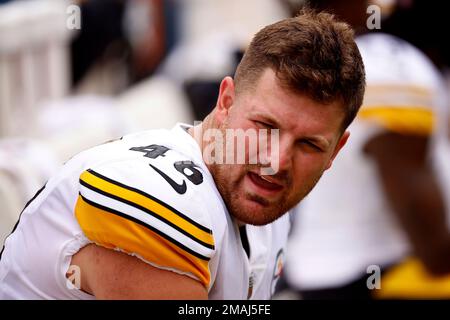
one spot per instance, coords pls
(267, 118)
(321, 141)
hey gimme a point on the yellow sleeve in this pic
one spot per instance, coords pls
(403, 109)
(407, 120)
(410, 280)
(118, 216)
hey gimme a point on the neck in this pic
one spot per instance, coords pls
(197, 131)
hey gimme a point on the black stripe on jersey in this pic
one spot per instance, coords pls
(162, 234)
(148, 211)
(152, 198)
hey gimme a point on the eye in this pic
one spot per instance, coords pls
(310, 145)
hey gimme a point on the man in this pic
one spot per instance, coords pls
(151, 216)
(381, 205)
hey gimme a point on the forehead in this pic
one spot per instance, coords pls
(293, 111)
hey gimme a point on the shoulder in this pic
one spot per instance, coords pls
(149, 202)
(404, 89)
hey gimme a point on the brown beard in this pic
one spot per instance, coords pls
(268, 213)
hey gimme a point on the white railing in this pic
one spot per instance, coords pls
(33, 60)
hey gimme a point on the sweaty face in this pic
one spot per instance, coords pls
(309, 137)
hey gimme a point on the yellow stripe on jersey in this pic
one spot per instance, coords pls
(409, 280)
(150, 205)
(404, 120)
(111, 229)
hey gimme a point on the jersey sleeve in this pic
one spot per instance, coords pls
(134, 210)
(402, 109)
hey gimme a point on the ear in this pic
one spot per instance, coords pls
(225, 99)
(342, 141)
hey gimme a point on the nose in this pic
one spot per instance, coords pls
(285, 154)
(281, 155)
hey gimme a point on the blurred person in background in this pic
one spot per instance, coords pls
(422, 23)
(130, 38)
(383, 202)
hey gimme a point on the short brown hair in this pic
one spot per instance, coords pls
(312, 53)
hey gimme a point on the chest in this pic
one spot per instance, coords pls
(252, 275)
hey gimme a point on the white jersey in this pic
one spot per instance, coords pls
(345, 224)
(150, 195)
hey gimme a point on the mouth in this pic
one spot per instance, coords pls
(264, 185)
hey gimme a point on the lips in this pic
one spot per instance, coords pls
(264, 183)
